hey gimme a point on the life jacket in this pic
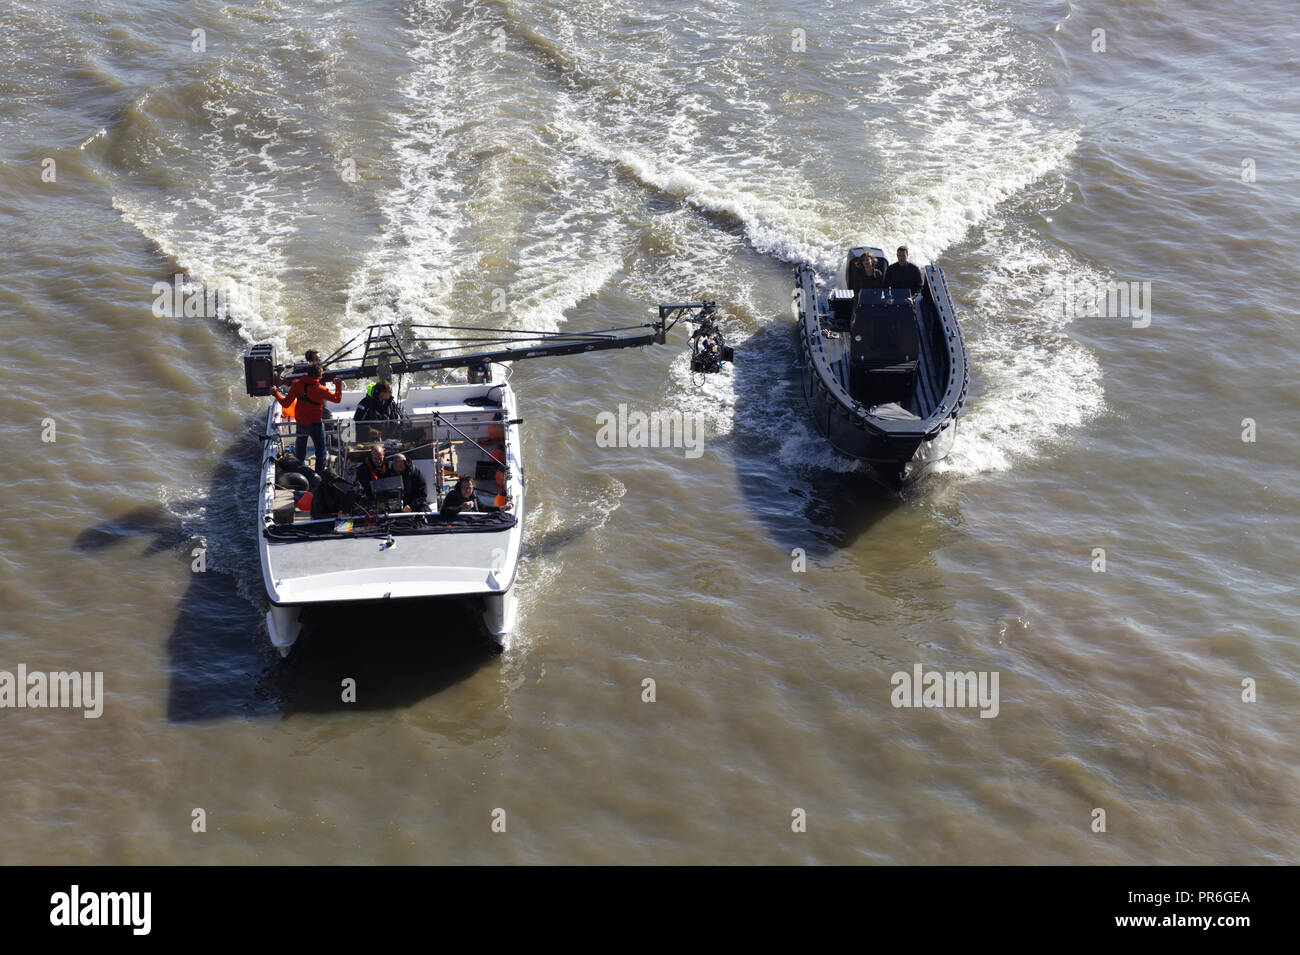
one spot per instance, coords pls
(310, 400)
(385, 471)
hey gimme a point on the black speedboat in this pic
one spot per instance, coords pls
(884, 370)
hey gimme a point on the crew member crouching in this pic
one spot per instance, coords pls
(415, 490)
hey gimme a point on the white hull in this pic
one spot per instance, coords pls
(416, 562)
(499, 614)
(283, 625)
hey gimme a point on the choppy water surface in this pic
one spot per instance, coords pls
(347, 163)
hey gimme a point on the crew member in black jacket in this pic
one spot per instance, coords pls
(865, 273)
(378, 409)
(903, 274)
(415, 490)
(460, 498)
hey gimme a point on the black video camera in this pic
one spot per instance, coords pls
(708, 350)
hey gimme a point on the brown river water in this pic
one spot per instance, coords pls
(338, 164)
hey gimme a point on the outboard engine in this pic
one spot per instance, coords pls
(884, 348)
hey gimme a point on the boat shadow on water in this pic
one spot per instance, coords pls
(811, 506)
(219, 659)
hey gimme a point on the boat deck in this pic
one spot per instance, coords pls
(454, 456)
(445, 432)
(931, 379)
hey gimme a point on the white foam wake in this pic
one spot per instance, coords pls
(410, 273)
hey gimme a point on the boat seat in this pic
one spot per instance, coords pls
(840, 314)
(284, 509)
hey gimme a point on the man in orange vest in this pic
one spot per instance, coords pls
(311, 396)
(372, 468)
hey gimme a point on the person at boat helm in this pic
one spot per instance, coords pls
(372, 468)
(415, 491)
(903, 274)
(378, 407)
(865, 273)
(311, 396)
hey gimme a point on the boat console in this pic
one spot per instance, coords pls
(884, 347)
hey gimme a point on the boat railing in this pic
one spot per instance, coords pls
(339, 432)
(391, 523)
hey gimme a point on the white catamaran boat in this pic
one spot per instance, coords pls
(321, 542)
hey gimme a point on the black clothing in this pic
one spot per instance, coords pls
(903, 275)
(380, 411)
(287, 466)
(863, 276)
(333, 496)
(415, 490)
(366, 472)
(317, 434)
(454, 503)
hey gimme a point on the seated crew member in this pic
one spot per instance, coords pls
(903, 274)
(415, 491)
(372, 468)
(864, 272)
(460, 498)
(378, 407)
(311, 396)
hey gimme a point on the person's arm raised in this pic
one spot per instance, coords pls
(286, 400)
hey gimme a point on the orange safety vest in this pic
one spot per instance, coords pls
(312, 395)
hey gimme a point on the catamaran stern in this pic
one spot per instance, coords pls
(284, 624)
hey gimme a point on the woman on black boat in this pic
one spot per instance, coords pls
(865, 273)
